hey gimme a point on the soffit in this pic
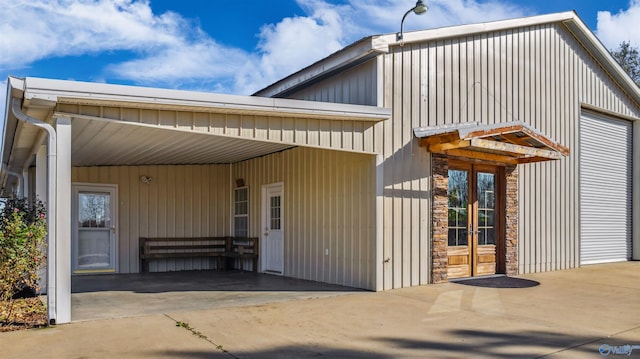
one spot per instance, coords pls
(106, 143)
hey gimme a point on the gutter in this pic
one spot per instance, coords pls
(51, 204)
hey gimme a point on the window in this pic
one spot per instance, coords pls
(241, 212)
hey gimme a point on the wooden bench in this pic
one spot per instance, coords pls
(221, 248)
(243, 248)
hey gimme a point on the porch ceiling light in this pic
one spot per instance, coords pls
(419, 9)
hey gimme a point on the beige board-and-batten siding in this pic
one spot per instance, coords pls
(180, 201)
(329, 207)
(329, 204)
(541, 75)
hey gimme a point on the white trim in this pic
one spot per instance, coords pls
(75, 92)
(97, 187)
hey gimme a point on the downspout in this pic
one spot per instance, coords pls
(25, 169)
(51, 204)
(6, 170)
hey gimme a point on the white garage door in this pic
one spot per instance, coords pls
(605, 189)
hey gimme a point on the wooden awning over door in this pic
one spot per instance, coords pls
(508, 143)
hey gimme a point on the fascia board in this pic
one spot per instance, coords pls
(46, 90)
(472, 29)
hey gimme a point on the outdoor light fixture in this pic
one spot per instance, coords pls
(146, 179)
(419, 9)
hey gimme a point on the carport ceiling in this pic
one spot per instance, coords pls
(105, 143)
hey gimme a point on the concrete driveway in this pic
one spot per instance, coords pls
(571, 314)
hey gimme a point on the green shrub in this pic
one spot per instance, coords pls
(22, 248)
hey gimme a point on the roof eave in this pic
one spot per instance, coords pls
(339, 61)
(47, 92)
(597, 49)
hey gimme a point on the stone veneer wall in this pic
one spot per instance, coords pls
(440, 205)
(440, 172)
(511, 221)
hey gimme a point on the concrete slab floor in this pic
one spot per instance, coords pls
(127, 295)
(571, 314)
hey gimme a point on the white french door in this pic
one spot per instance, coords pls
(95, 240)
(273, 228)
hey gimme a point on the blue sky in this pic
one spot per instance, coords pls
(236, 47)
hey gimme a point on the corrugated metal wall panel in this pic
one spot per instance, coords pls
(329, 199)
(354, 86)
(605, 189)
(539, 75)
(347, 135)
(181, 201)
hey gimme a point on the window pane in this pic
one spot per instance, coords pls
(452, 237)
(93, 210)
(241, 226)
(458, 200)
(458, 191)
(241, 212)
(463, 240)
(486, 190)
(491, 235)
(275, 212)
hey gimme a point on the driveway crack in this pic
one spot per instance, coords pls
(199, 334)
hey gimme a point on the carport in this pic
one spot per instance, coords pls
(167, 163)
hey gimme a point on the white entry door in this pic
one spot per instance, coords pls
(94, 242)
(273, 228)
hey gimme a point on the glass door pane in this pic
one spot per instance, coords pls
(458, 195)
(94, 230)
(486, 208)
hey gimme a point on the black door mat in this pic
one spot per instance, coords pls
(496, 281)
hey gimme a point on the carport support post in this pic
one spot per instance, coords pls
(63, 225)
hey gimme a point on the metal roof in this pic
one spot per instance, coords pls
(100, 140)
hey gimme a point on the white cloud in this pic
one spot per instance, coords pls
(385, 15)
(171, 51)
(296, 42)
(612, 29)
(33, 30)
